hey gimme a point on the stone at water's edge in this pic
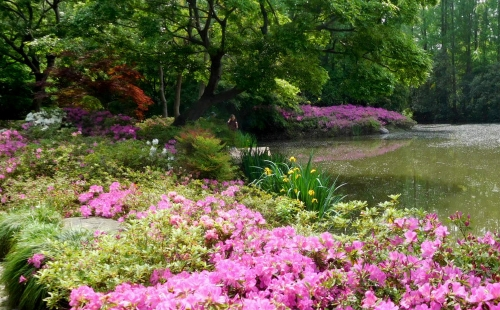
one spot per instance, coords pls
(236, 153)
(92, 223)
(384, 131)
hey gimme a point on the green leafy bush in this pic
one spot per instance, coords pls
(157, 128)
(244, 140)
(204, 155)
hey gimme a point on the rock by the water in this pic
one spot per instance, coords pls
(384, 130)
(93, 223)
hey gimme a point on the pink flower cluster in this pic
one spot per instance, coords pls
(101, 123)
(217, 186)
(10, 142)
(344, 116)
(170, 146)
(104, 204)
(36, 260)
(256, 268)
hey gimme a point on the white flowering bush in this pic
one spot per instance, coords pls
(163, 154)
(45, 118)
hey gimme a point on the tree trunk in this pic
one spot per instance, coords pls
(424, 27)
(453, 64)
(498, 31)
(178, 88)
(209, 96)
(202, 85)
(444, 25)
(41, 81)
(162, 94)
(199, 108)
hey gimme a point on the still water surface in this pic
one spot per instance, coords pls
(440, 168)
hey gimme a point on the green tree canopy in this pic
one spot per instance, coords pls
(29, 35)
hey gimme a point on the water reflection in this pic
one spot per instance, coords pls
(428, 171)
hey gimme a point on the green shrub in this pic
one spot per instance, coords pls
(157, 127)
(218, 127)
(204, 155)
(117, 160)
(244, 140)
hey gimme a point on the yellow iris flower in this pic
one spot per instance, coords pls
(268, 171)
(293, 159)
(311, 192)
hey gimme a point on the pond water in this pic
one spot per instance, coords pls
(439, 168)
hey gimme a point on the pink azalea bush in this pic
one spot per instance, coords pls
(11, 142)
(406, 263)
(108, 205)
(101, 123)
(343, 117)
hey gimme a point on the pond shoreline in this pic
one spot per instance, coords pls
(483, 135)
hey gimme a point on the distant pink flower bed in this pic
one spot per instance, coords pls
(344, 116)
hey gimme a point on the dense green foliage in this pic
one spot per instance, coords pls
(187, 59)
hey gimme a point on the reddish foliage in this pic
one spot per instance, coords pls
(103, 79)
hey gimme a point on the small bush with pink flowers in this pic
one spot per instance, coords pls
(101, 123)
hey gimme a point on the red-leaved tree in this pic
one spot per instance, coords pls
(105, 79)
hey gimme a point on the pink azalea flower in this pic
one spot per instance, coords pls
(428, 249)
(386, 305)
(494, 289)
(369, 300)
(410, 236)
(36, 260)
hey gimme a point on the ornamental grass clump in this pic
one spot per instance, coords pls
(254, 160)
(23, 235)
(304, 183)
